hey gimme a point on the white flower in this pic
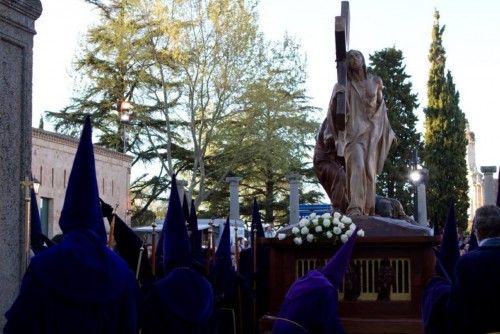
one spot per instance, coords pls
(282, 236)
(341, 225)
(336, 221)
(361, 233)
(298, 240)
(346, 220)
(310, 237)
(336, 215)
(344, 238)
(312, 215)
(318, 228)
(352, 227)
(303, 222)
(326, 215)
(329, 235)
(326, 222)
(304, 230)
(337, 230)
(315, 221)
(349, 232)
(295, 230)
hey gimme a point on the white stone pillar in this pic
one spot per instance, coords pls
(489, 196)
(294, 181)
(422, 205)
(181, 189)
(17, 28)
(422, 198)
(234, 201)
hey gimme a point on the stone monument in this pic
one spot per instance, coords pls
(17, 28)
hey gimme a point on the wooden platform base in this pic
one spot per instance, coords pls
(382, 326)
(406, 253)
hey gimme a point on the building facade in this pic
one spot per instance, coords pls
(52, 159)
(483, 187)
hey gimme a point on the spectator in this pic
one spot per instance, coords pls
(475, 291)
(269, 232)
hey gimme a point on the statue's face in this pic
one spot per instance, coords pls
(355, 59)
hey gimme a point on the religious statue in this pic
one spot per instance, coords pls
(348, 158)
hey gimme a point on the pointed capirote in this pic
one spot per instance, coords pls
(81, 209)
(175, 239)
(336, 267)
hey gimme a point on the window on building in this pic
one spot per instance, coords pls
(64, 180)
(52, 178)
(103, 186)
(112, 187)
(45, 207)
(41, 176)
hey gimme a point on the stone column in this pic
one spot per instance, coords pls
(234, 202)
(17, 28)
(181, 189)
(294, 181)
(422, 205)
(422, 198)
(489, 196)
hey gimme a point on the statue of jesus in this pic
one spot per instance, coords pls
(347, 162)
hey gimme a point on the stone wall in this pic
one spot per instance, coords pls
(52, 159)
(17, 27)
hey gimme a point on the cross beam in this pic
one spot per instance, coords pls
(341, 47)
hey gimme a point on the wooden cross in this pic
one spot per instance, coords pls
(341, 47)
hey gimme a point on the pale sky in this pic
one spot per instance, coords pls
(471, 40)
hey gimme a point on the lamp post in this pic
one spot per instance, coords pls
(415, 179)
(124, 108)
(27, 184)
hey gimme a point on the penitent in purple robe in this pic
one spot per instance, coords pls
(310, 305)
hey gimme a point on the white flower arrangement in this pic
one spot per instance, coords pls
(336, 228)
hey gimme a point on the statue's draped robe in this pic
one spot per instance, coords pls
(330, 169)
(368, 138)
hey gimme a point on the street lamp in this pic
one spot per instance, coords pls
(137, 201)
(124, 110)
(36, 185)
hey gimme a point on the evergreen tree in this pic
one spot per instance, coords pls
(445, 138)
(401, 103)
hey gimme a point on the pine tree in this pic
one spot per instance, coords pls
(445, 138)
(401, 103)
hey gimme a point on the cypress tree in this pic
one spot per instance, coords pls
(401, 103)
(445, 138)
